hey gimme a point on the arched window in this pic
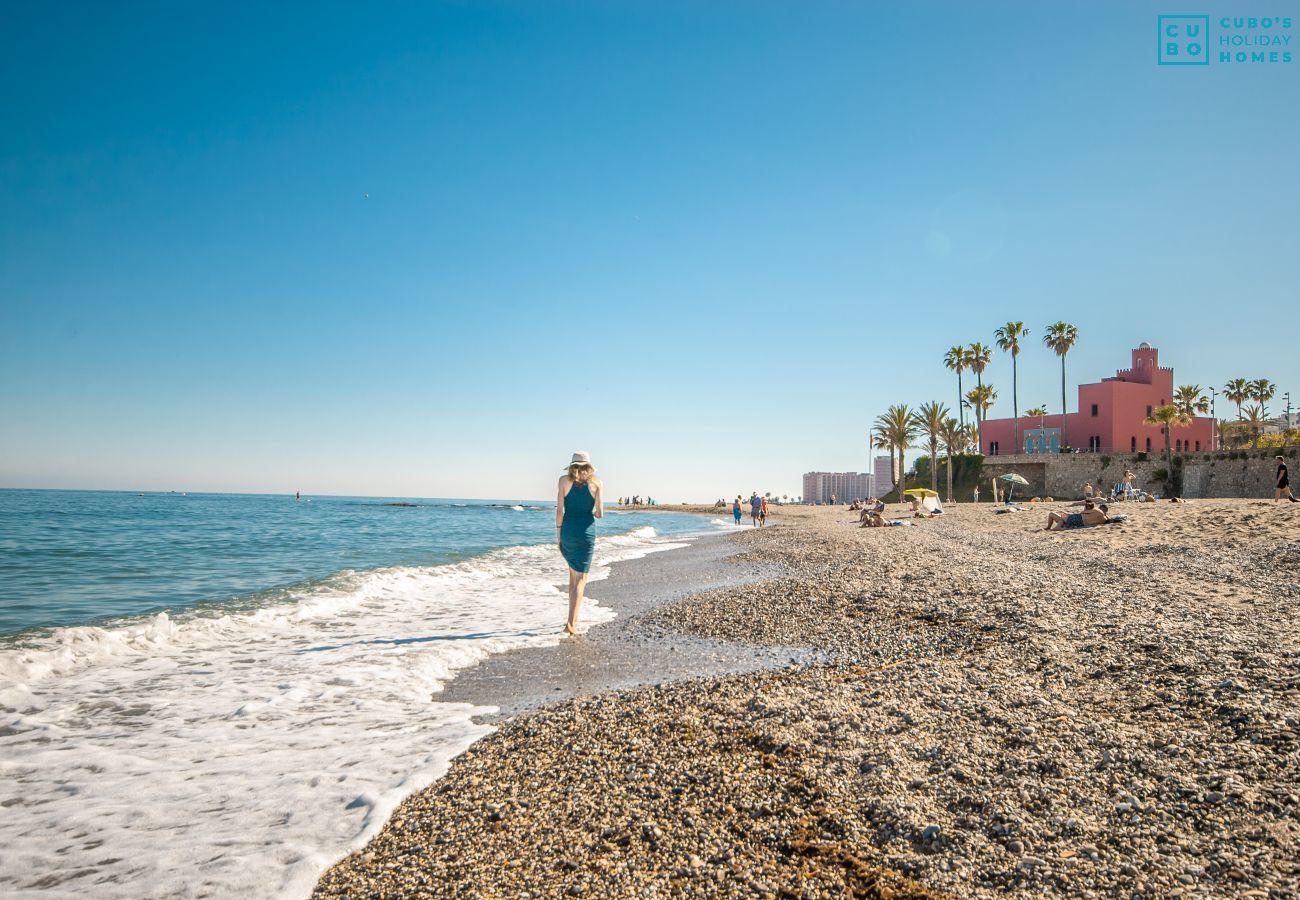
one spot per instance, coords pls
(1148, 445)
(1133, 444)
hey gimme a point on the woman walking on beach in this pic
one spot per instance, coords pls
(577, 508)
(735, 511)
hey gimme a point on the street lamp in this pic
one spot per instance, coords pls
(1214, 430)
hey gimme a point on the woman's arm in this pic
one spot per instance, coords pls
(559, 503)
(599, 509)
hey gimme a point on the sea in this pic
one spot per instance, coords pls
(220, 695)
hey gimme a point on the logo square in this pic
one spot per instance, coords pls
(1183, 40)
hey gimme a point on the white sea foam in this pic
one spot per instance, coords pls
(240, 754)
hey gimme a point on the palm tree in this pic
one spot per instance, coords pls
(955, 359)
(896, 430)
(1254, 421)
(1008, 338)
(1061, 338)
(1190, 400)
(979, 399)
(1238, 391)
(1168, 417)
(1263, 390)
(956, 439)
(1036, 411)
(928, 419)
(977, 359)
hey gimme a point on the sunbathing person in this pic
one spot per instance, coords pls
(1091, 515)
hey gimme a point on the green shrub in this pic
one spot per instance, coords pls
(1142, 456)
(1105, 461)
(1160, 475)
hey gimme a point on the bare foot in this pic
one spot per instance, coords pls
(570, 630)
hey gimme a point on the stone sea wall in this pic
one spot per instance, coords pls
(1227, 473)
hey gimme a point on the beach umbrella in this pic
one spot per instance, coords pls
(1014, 480)
(922, 492)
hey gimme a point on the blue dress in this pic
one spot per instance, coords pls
(578, 529)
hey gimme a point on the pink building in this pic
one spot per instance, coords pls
(1109, 420)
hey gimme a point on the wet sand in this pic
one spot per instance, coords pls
(630, 651)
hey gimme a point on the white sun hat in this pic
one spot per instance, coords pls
(580, 458)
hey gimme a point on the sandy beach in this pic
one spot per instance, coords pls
(1103, 712)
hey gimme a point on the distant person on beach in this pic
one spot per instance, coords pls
(976, 494)
(577, 507)
(1091, 515)
(762, 513)
(755, 507)
(736, 511)
(1282, 484)
(1125, 487)
(1088, 491)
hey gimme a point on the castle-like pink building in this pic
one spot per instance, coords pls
(1109, 420)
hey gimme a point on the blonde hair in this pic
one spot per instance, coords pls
(581, 473)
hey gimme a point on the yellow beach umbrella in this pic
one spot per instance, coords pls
(921, 492)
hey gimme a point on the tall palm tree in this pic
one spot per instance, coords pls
(1008, 339)
(979, 399)
(1036, 411)
(1263, 391)
(1168, 417)
(977, 359)
(896, 430)
(956, 438)
(1238, 391)
(928, 419)
(955, 360)
(1191, 400)
(1061, 338)
(1254, 421)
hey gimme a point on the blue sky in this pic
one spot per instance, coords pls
(706, 242)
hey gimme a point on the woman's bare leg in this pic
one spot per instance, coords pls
(577, 584)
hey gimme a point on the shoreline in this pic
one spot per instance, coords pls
(1003, 711)
(629, 651)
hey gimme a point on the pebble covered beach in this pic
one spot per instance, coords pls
(1101, 712)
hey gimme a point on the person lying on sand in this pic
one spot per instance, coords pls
(872, 519)
(1091, 515)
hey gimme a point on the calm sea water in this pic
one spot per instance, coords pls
(222, 694)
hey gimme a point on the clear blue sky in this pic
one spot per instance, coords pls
(706, 242)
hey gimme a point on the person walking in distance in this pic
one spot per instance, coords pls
(755, 507)
(736, 511)
(577, 507)
(762, 512)
(1282, 485)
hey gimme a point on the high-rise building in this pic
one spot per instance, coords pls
(884, 480)
(820, 487)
